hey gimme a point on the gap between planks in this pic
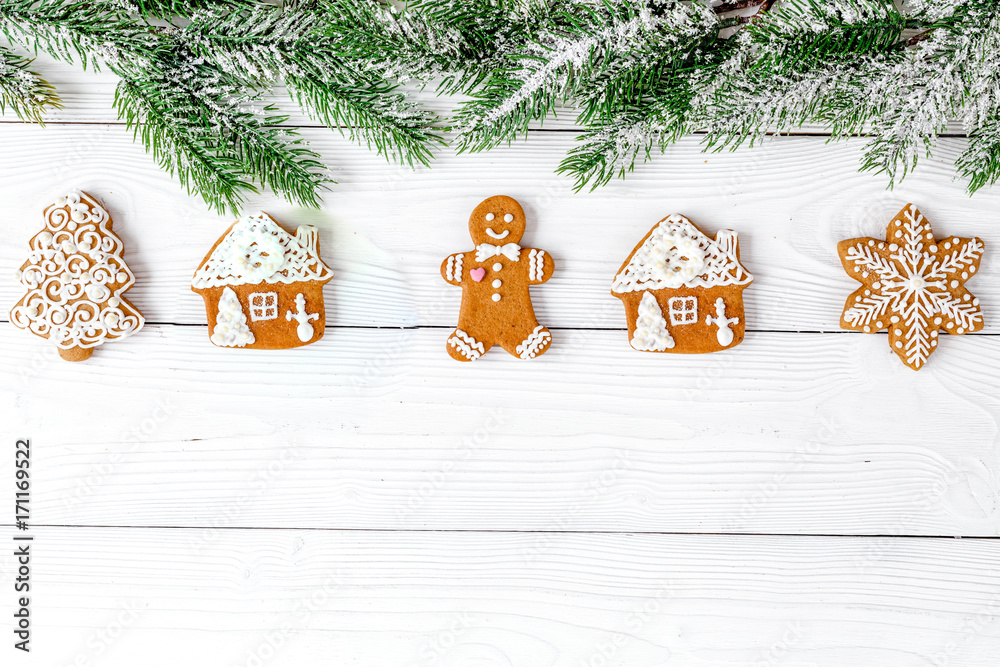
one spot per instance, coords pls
(511, 531)
(444, 327)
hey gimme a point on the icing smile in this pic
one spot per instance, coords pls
(493, 234)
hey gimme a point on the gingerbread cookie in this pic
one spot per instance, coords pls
(76, 278)
(912, 284)
(682, 291)
(494, 277)
(263, 287)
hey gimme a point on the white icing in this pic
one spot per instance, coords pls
(651, 333)
(484, 251)
(305, 330)
(676, 254)
(493, 234)
(508, 218)
(453, 271)
(263, 306)
(497, 266)
(468, 346)
(725, 333)
(489, 217)
(496, 297)
(497, 283)
(231, 328)
(75, 276)
(683, 309)
(536, 264)
(529, 347)
(256, 249)
(915, 285)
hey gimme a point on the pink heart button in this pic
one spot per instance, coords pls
(478, 274)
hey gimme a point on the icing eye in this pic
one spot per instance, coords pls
(508, 217)
(489, 217)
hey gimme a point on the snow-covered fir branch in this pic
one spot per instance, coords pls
(639, 74)
(22, 91)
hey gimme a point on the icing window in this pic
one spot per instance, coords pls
(263, 306)
(683, 309)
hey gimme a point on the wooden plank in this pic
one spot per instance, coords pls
(789, 433)
(385, 230)
(251, 597)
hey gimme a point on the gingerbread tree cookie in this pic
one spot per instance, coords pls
(263, 287)
(913, 285)
(494, 277)
(76, 278)
(683, 291)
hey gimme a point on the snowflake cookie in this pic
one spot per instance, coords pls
(76, 278)
(257, 270)
(913, 285)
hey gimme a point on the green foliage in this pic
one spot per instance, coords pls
(638, 75)
(191, 91)
(22, 91)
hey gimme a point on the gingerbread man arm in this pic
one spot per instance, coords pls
(453, 268)
(541, 266)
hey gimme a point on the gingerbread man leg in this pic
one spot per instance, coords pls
(468, 343)
(527, 342)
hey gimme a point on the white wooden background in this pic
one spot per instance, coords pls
(366, 500)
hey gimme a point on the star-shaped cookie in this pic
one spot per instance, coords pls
(912, 284)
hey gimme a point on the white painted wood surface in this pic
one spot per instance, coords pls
(595, 507)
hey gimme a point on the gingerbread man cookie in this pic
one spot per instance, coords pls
(913, 285)
(494, 277)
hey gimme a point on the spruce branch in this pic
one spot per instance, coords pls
(200, 125)
(598, 55)
(23, 91)
(88, 33)
(319, 63)
(182, 149)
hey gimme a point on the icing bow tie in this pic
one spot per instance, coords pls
(486, 250)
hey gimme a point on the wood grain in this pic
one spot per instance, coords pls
(483, 600)
(385, 230)
(788, 433)
(198, 506)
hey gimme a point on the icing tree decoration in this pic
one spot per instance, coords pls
(76, 279)
(496, 303)
(678, 286)
(231, 328)
(913, 285)
(257, 268)
(304, 330)
(651, 333)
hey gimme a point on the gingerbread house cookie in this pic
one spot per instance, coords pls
(683, 291)
(76, 277)
(263, 287)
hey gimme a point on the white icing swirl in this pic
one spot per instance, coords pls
(676, 254)
(75, 276)
(257, 250)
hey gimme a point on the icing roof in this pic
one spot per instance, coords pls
(257, 249)
(677, 254)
